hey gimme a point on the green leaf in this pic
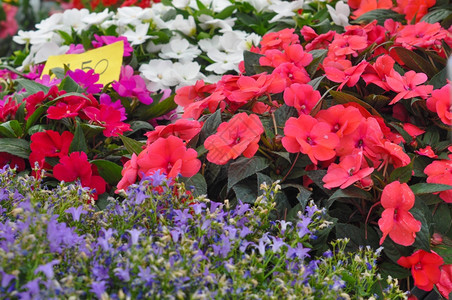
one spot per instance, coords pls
(66, 37)
(357, 236)
(91, 130)
(436, 15)
(78, 142)
(58, 72)
(251, 60)
(415, 62)
(246, 191)
(31, 86)
(317, 176)
(423, 236)
(381, 15)
(349, 192)
(108, 170)
(439, 80)
(343, 98)
(210, 126)
(402, 174)
(102, 201)
(282, 114)
(303, 195)
(244, 167)
(406, 136)
(444, 250)
(139, 125)
(17, 147)
(316, 82)
(428, 188)
(157, 109)
(69, 85)
(317, 57)
(442, 219)
(394, 270)
(226, 12)
(395, 251)
(198, 182)
(11, 129)
(131, 145)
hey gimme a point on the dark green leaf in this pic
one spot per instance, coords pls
(436, 15)
(442, 220)
(132, 145)
(317, 57)
(246, 191)
(210, 126)
(394, 270)
(343, 98)
(381, 15)
(251, 60)
(406, 136)
(17, 147)
(445, 250)
(198, 182)
(58, 72)
(11, 129)
(349, 192)
(282, 114)
(157, 109)
(102, 201)
(91, 130)
(316, 82)
(415, 62)
(422, 237)
(357, 236)
(244, 167)
(79, 141)
(439, 80)
(317, 177)
(395, 251)
(138, 125)
(31, 86)
(108, 170)
(303, 195)
(428, 188)
(69, 85)
(402, 174)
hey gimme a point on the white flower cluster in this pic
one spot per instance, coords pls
(175, 63)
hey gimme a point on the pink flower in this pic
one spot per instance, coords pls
(9, 26)
(408, 86)
(440, 171)
(107, 40)
(441, 103)
(86, 80)
(345, 75)
(129, 173)
(301, 96)
(396, 220)
(133, 86)
(108, 117)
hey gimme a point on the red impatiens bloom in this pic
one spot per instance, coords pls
(107, 117)
(292, 54)
(408, 85)
(50, 143)
(377, 72)
(444, 284)
(344, 44)
(343, 120)
(440, 171)
(129, 173)
(240, 135)
(425, 268)
(8, 109)
(249, 87)
(427, 151)
(12, 160)
(309, 136)
(441, 103)
(292, 74)
(183, 128)
(35, 100)
(414, 8)
(346, 75)
(171, 156)
(347, 172)
(277, 40)
(301, 96)
(397, 199)
(368, 5)
(76, 166)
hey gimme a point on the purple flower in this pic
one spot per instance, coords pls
(76, 212)
(277, 243)
(123, 274)
(98, 288)
(109, 39)
(75, 49)
(303, 226)
(134, 235)
(47, 269)
(86, 80)
(132, 86)
(33, 286)
(6, 279)
(182, 216)
(299, 252)
(245, 231)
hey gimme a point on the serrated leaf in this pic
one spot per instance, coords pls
(31, 86)
(349, 192)
(439, 80)
(436, 15)
(428, 188)
(198, 182)
(402, 174)
(244, 167)
(381, 15)
(108, 170)
(442, 219)
(395, 251)
(131, 145)
(415, 62)
(17, 147)
(246, 191)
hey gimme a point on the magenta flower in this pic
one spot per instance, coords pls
(132, 86)
(75, 49)
(86, 80)
(108, 39)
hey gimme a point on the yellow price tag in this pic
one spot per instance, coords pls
(105, 61)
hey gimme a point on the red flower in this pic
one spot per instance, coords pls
(240, 135)
(107, 117)
(444, 285)
(309, 136)
(377, 72)
(67, 107)
(76, 166)
(50, 143)
(343, 120)
(8, 109)
(345, 74)
(347, 172)
(35, 100)
(277, 40)
(408, 85)
(441, 103)
(129, 173)
(425, 268)
(12, 160)
(397, 199)
(440, 171)
(301, 96)
(183, 128)
(249, 87)
(427, 151)
(169, 155)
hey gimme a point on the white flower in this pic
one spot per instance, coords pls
(285, 9)
(260, 5)
(340, 14)
(224, 61)
(215, 5)
(139, 35)
(186, 26)
(52, 23)
(179, 49)
(188, 73)
(208, 22)
(40, 53)
(73, 20)
(129, 15)
(160, 74)
(181, 4)
(97, 18)
(33, 37)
